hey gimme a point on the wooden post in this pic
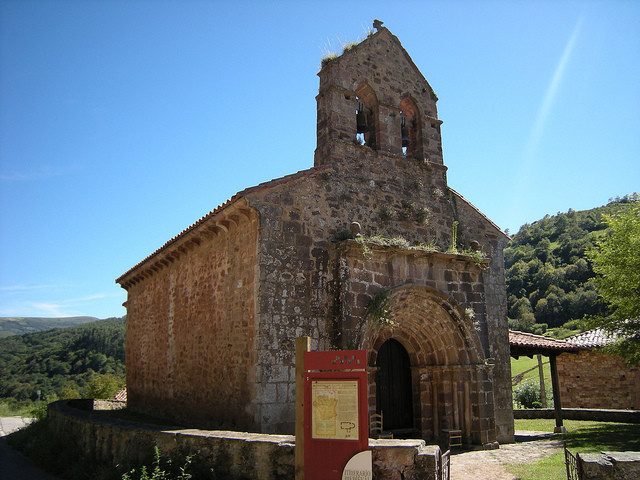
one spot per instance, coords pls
(557, 404)
(303, 344)
(543, 393)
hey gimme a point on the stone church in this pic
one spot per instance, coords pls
(369, 249)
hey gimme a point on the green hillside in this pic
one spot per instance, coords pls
(20, 325)
(549, 278)
(85, 360)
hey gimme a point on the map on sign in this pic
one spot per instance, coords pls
(334, 409)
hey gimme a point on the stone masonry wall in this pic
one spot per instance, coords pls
(430, 299)
(496, 336)
(191, 330)
(592, 379)
(299, 221)
(231, 455)
(379, 73)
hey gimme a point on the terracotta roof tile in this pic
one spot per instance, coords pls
(121, 396)
(237, 196)
(524, 340)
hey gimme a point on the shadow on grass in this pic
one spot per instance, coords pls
(609, 436)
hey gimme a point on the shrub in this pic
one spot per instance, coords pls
(527, 394)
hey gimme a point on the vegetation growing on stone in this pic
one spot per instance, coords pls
(379, 310)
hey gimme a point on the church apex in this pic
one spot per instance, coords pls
(373, 95)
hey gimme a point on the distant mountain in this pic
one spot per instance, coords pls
(19, 325)
(63, 362)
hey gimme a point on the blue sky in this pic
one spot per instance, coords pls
(122, 123)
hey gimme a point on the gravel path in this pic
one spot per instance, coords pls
(13, 466)
(489, 464)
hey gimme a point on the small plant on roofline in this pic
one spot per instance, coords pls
(478, 258)
(399, 242)
(348, 46)
(432, 246)
(326, 60)
(379, 310)
(366, 249)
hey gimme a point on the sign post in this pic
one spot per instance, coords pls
(335, 412)
(303, 344)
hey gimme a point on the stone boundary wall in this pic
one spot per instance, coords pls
(609, 465)
(232, 455)
(602, 415)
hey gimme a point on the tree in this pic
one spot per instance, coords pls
(103, 386)
(616, 262)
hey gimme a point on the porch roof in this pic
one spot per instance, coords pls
(529, 344)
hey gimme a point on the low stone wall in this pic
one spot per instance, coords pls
(610, 465)
(601, 415)
(232, 455)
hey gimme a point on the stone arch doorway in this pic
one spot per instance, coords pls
(394, 396)
(451, 383)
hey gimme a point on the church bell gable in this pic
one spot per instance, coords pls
(374, 96)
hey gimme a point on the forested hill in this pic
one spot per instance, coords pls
(19, 325)
(549, 279)
(85, 360)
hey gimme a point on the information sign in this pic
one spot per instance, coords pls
(335, 411)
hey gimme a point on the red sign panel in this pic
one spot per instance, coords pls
(335, 411)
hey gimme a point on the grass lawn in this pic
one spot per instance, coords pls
(581, 437)
(523, 364)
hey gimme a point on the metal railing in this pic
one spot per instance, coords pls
(443, 466)
(571, 462)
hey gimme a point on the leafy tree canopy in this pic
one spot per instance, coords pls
(616, 262)
(550, 279)
(86, 360)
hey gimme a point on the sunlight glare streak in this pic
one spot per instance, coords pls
(528, 156)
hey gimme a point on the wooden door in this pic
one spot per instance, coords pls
(393, 386)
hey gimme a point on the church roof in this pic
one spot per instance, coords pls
(472, 206)
(243, 193)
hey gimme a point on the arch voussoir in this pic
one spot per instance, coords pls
(446, 359)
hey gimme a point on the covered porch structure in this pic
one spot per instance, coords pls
(528, 344)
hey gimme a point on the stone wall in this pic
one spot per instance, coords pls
(592, 379)
(379, 74)
(232, 455)
(600, 415)
(191, 327)
(433, 301)
(300, 280)
(609, 465)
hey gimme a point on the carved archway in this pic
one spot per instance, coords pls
(451, 384)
